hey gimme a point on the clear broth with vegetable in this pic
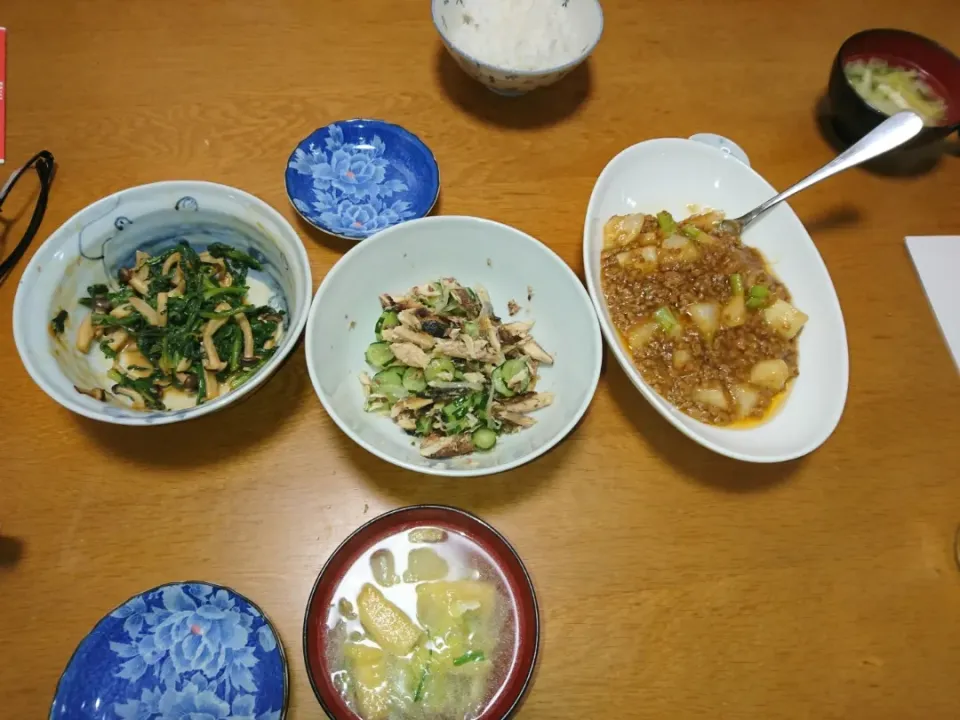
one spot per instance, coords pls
(707, 324)
(890, 88)
(422, 626)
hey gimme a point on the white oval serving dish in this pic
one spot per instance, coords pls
(675, 174)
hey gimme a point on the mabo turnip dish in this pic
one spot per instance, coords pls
(449, 371)
(707, 323)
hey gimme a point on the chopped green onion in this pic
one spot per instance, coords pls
(736, 284)
(469, 656)
(759, 291)
(755, 303)
(691, 231)
(419, 693)
(667, 224)
(665, 319)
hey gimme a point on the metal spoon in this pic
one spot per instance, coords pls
(891, 133)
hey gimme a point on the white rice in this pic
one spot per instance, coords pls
(527, 35)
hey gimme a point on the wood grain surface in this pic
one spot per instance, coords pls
(673, 583)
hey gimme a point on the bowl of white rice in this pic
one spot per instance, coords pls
(515, 46)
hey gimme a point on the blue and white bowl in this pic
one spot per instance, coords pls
(184, 650)
(103, 237)
(354, 178)
(451, 16)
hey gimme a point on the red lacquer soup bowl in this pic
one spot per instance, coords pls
(515, 666)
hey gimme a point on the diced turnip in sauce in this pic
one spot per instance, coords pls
(707, 323)
(734, 312)
(771, 374)
(711, 396)
(785, 319)
(640, 335)
(706, 317)
(746, 399)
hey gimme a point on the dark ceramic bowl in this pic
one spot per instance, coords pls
(853, 117)
(527, 619)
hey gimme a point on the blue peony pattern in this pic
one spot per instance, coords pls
(188, 651)
(354, 188)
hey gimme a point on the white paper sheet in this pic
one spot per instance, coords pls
(937, 259)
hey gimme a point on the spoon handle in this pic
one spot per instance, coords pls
(891, 133)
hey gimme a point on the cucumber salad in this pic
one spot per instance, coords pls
(447, 370)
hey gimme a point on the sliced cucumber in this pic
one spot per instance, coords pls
(413, 380)
(387, 378)
(379, 354)
(510, 371)
(484, 439)
(499, 386)
(472, 329)
(440, 369)
(388, 319)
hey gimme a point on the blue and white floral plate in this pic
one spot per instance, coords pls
(177, 652)
(356, 177)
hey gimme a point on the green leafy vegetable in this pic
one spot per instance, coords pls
(197, 293)
(58, 322)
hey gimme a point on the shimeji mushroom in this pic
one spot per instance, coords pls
(136, 398)
(85, 334)
(143, 307)
(213, 361)
(96, 393)
(244, 323)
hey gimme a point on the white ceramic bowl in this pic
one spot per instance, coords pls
(506, 262)
(448, 16)
(93, 244)
(673, 173)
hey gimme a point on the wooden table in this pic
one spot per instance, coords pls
(673, 583)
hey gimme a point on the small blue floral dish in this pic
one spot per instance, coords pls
(356, 177)
(179, 651)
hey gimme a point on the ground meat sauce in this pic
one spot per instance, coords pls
(636, 286)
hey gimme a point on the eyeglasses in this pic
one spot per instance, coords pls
(44, 164)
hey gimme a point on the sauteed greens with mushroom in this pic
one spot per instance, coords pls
(449, 371)
(180, 327)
